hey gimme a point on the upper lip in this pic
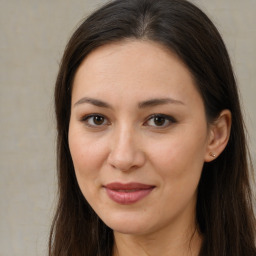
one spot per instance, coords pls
(128, 186)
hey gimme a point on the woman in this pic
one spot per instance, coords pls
(152, 155)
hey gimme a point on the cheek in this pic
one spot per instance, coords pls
(179, 168)
(88, 156)
(179, 158)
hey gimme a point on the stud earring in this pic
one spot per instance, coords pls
(212, 154)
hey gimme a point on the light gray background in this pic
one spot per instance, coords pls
(33, 35)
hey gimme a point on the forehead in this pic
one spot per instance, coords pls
(133, 69)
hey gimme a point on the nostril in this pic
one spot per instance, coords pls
(126, 161)
(121, 161)
(125, 152)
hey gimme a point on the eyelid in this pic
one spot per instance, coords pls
(85, 118)
(169, 118)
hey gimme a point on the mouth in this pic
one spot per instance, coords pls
(128, 193)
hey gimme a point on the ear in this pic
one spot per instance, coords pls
(219, 133)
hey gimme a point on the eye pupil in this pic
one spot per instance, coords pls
(158, 120)
(98, 120)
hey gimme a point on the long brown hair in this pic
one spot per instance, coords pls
(224, 207)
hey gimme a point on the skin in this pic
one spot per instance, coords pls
(128, 145)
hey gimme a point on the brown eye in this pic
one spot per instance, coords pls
(160, 121)
(98, 120)
(95, 120)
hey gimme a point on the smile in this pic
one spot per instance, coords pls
(127, 193)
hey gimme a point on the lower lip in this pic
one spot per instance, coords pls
(132, 197)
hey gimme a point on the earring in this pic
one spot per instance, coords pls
(212, 154)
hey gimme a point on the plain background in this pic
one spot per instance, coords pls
(32, 38)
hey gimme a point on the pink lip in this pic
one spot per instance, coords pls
(128, 193)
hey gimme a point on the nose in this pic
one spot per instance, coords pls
(125, 152)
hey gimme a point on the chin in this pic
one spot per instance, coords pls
(129, 229)
(128, 224)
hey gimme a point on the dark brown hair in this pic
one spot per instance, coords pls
(224, 207)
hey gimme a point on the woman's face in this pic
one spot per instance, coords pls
(138, 137)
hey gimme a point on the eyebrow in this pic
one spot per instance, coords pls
(143, 104)
(157, 102)
(92, 101)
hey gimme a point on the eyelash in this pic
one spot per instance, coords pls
(86, 120)
(169, 119)
(166, 118)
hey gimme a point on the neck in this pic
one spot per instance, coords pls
(165, 243)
